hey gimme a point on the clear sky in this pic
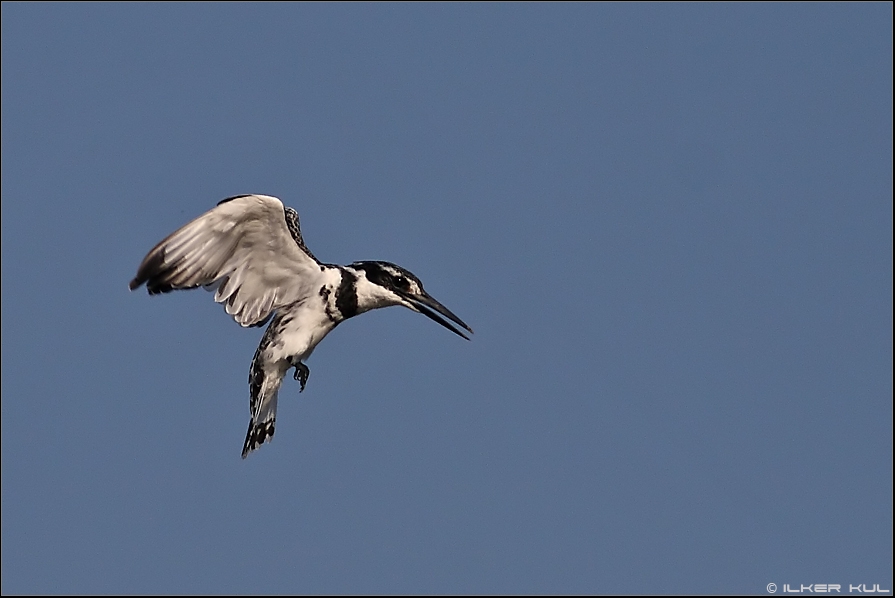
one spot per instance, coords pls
(669, 225)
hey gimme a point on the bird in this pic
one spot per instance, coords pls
(249, 251)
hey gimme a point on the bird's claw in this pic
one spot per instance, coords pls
(301, 374)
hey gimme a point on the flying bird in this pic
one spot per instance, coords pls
(250, 252)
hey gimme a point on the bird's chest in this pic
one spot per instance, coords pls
(301, 330)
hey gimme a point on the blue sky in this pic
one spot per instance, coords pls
(669, 225)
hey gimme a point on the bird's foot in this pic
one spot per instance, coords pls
(301, 374)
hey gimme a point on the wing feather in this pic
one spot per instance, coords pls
(243, 250)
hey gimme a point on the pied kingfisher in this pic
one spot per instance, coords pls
(249, 250)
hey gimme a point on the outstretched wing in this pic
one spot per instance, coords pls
(244, 250)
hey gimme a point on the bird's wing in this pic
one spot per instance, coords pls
(243, 249)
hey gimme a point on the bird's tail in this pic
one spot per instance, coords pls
(264, 386)
(259, 433)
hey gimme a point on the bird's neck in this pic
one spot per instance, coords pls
(368, 295)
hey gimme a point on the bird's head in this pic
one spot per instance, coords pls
(390, 284)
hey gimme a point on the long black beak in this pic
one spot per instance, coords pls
(428, 306)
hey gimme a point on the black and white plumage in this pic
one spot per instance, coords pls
(250, 252)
